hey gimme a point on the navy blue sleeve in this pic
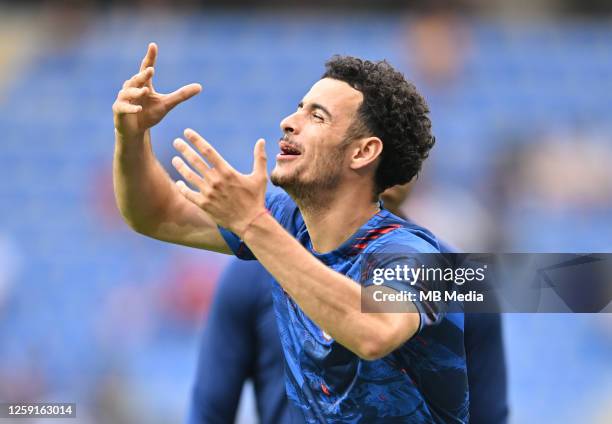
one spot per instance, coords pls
(402, 248)
(227, 346)
(282, 208)
(486, 367)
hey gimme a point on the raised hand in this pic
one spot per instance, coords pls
(138, 106)
(233, 200)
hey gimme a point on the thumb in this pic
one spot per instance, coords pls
(182, 94)
(259, 157)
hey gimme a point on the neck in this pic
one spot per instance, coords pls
(333, 218)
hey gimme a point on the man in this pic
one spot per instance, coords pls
(360, 129)
(241, 342)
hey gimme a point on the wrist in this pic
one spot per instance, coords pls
(129, 139)
(255, 222)
(131, 145)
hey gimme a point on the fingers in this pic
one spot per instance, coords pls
(132, 93)
(142, 78)
(182, 94)
(208, 152)
(191, 156)
(259, 158)
(191, 195)
(187, 173)
(149, 59)
(121, 108)
(122, 105)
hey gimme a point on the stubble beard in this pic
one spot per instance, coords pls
(313, 194)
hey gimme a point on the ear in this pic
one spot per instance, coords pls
(365, 151)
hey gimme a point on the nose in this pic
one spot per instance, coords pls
(289, 125)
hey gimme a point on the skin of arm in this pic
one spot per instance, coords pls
(332, 300)
(146, 196)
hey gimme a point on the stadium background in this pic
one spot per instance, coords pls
(90, 312)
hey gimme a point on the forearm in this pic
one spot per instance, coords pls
(330, 299)
(333, 301)
(142, 187)
(152, 205)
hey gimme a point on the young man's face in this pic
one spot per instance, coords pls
(313, 150)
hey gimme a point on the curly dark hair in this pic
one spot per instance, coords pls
(393, 111)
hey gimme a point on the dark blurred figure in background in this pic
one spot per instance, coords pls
(241, 342)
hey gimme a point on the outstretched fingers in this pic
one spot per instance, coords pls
(187, 173)
(191, 156)
(208, 152)
(150, 57)
(191, 195)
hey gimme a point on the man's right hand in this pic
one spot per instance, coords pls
(139, 107)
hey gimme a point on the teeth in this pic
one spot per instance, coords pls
(287, 149)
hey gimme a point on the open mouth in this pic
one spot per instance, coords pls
(287, 149)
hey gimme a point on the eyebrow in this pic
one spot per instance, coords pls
(319, 107)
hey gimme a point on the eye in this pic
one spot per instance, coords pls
(317, 117)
